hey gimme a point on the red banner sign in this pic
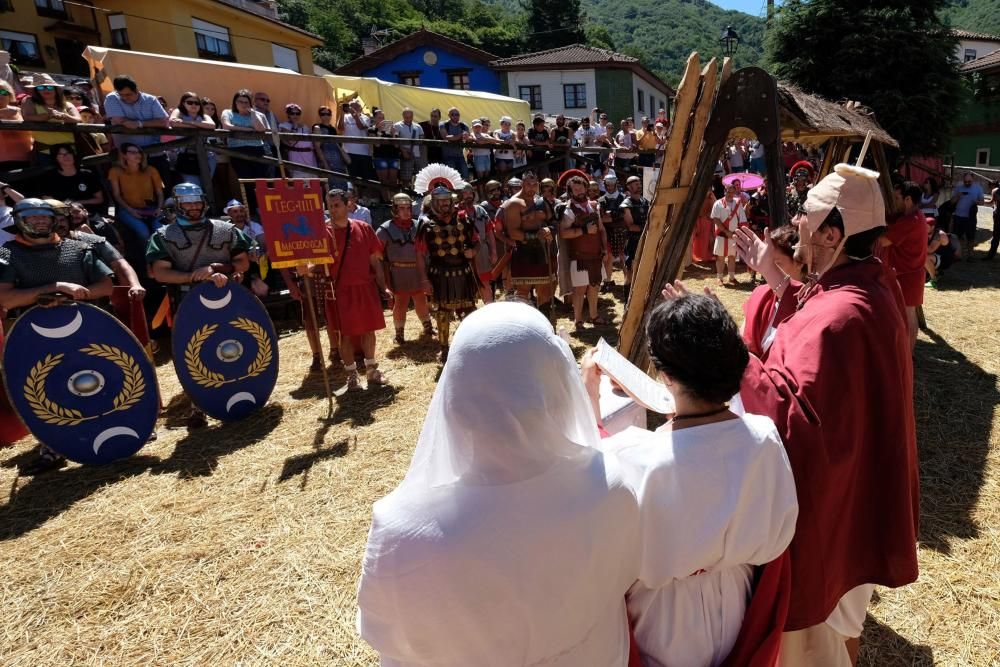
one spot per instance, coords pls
(294, 227)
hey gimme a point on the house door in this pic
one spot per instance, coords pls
(71, 57)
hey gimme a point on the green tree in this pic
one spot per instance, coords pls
(554, 23)
(894, 56)
(598, 35)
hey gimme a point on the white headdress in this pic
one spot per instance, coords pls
(436, 174)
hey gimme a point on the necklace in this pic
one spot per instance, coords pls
(698, 415)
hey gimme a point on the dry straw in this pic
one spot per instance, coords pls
(241, 543)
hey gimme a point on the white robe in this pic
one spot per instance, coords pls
(714, 500)
(525, 574)
(512, 540)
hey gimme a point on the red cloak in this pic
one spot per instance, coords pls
(838, 383)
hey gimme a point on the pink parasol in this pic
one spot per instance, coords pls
(747, 180)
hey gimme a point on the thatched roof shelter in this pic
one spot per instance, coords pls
(812, 119)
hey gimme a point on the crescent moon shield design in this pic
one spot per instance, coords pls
(60, 332)
(225, 350)
(81, 382)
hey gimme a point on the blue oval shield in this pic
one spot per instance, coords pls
(81, 382)
(225, 350)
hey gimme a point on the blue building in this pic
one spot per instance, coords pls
(428, 60)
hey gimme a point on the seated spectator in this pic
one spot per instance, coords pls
(385, 157)
(71, 181)
(138, 193)
(129, 107)
(91, 143)
(299, 151)
(929, 198)
(79, 97)
(15, 147)
(47, 105)
(190, 113)
(81, 218)
(332, 155)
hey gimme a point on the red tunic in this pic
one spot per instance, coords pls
(760, 314)
(358, 307)
(703, 237)
(838, 383)
(907, 254)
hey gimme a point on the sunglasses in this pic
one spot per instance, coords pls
(326, 113)
(4, 91)
(45, 88)
(294, 113)
(194, 103)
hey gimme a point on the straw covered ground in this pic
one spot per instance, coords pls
(241, 543)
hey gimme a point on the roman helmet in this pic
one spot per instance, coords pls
(33, 207)
(189, 193)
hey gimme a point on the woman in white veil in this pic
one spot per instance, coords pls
(511, 540)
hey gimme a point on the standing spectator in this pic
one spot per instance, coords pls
(130, 108)
(522, 142)
(904, 248)
(385, 157)
(789, 154)
(737, 159)
(331, 154)
(454, 131)
(967, 198)
(646, 142)
(46, 105)
(356, 124)
(409, 154)
(504, 157)
(15, 147)
(661, 117)
(356, 211)
(72, 182)
(539, 138)
(301, 152)
(481, 156)
(240, 119)
(757, 162)
(189, 113)
(929, 198)
(995, 200)
(661, 143)
(432, 130)
(262, 104)
(627, 141)
(587, 138)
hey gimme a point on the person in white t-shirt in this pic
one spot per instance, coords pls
(356, 124)
(728, 214)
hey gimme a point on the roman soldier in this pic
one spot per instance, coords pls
(40, 262)
(581, 229)
(399, 240)
(192, 249)
(530, 222)
(635, 211)
(487, 255)
(801, 176)
(447, 245)
(612, 219)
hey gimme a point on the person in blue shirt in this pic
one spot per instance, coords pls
(967, 198)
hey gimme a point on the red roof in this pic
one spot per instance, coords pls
(988, 61)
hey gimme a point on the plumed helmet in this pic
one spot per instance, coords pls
(802, 168)
(31, 207)
(441, 192)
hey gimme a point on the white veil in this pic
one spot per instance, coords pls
(510, 404)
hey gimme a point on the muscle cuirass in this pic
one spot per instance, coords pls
(35, 266)
(182, 244)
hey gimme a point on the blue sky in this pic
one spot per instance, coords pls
(754, 7)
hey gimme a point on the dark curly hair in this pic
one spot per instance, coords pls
(694, 341)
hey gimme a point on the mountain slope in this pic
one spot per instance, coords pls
(975, 15)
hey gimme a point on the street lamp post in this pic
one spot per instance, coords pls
(730, 41)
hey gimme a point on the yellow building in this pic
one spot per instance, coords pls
(50, 35)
